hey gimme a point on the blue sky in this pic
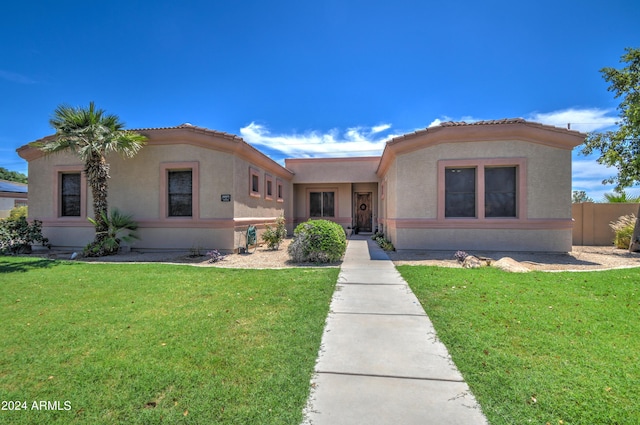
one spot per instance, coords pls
(322, 78)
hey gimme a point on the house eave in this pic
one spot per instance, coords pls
(483, 131)
(189, 135)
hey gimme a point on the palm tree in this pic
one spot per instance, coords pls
(620, 197)
(91, 134)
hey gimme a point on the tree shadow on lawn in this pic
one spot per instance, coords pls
(22, 264)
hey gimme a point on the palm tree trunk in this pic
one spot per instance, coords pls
(634, 246)
(97, 171)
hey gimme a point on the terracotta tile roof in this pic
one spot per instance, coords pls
(193, 128)
(480, 123)
(487, 122)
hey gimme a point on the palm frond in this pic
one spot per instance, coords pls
(89, 132)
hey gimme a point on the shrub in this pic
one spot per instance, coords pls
(274, 236)
(383, 242)
(318, 241)
(17, 234)
(17, 212)
(623, 228)
(120, 227)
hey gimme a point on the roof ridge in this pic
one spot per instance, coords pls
(484, 122)
(192, 127)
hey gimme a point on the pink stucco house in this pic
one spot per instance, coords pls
(491, 185)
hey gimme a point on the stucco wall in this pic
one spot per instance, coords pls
(136, 188)
(143, 199)
(548, 176)
(591, 226)
(411, 199)
(41, 182)
(343, 200)
(483, 239)
(334, 170)
(260, 206)
(388, 196)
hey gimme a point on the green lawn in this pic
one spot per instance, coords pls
(540, 348)
(149, 344)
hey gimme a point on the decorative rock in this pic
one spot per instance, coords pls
(471, 262)
(508, 264)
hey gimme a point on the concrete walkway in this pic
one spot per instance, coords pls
(380, 361)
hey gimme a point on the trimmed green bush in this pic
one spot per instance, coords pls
(318, 241)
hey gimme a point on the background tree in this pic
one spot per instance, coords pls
(620, 197)
(578, 196)
(92, 134)
(621, 148)
(12, 176)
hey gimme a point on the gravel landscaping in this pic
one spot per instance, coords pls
(580, 258)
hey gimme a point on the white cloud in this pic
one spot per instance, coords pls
(589, 119)
(588, 175)
(355, 141)
(435, 123)
(380, 128)
(589, 169)
(369, 141)
(445, 118)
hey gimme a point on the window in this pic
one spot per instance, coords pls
(322, 204)
(500, 192)
(179, 189)
(254, 182)
(279, 190)
(482, 189)
(20, 203)
(268, 189)
(180, 193)
(460, 192)
(70, 192)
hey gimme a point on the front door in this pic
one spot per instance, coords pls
(363, 211)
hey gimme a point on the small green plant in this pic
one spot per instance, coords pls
(274, 236)
(318, 241)
(383, 242)
(17, 212)
(623, 228)
(120, 228)
(17, 234)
